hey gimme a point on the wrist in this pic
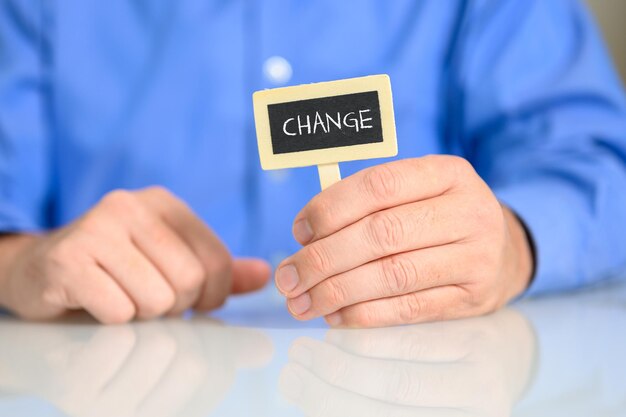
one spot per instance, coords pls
(519, 258)
(11, 248)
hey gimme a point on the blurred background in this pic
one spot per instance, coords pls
(612, 14)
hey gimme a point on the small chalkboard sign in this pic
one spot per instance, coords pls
(325, 123)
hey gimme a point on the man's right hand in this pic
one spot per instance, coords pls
(136, 254)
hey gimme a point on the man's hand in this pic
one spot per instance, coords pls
(134, 255)
(405, 242)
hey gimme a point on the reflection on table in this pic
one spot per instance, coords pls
(470, 367)
(560, 356)
(160, 368)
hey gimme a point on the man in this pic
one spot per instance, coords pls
(102, 101)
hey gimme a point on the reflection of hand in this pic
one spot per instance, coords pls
(134, 254)
(156, 369)
(474, 367)
(405, 242)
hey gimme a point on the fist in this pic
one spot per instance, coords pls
(136, 254)
(405, 242)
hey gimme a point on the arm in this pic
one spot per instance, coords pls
(25, 168)
(533, 105)
(540, 114)
(136, 254)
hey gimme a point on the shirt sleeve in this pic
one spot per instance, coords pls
(25, 168)
(536, 106)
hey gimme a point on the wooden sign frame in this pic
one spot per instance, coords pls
(325, 157)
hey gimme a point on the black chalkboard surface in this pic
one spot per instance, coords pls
(325, 122)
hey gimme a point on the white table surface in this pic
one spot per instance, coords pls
(555, 356)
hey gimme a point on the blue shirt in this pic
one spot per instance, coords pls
(97, 95)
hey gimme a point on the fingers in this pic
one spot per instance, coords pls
(249, 275)
(196, 265)
(211, 253)
(146, 253)
(245, 274)
(394, 275)
(100, 296)
(404, 228)
(185, 222)
(441, 303)
(193, 261)
(138, 277)
(374, 189)
(173, 258)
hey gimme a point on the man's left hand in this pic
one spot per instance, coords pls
(404, 242)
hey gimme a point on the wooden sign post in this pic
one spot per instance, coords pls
(325, 123)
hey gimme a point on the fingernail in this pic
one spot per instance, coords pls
(302, 231)
(287, 278)
(302, 354)
(300, 304)
(334, 319)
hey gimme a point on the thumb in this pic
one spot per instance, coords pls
(249, 274)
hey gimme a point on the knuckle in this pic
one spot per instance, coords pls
(486, 256)
(363, 317)
(471, 299)
(483, 271)
(386, 231)
(158, 191)
(489, 264)
(429, 165)
(90, 224)
(121, 203)
(480, 256)
(220, 265)
(62, 254)
(458, 169)
(486, 303)
(461, 166)
(54, 295)
(336, 293)
(161, 303)
(382, 183)
(486, 214)
(191, 278)
(426, 215)
(156, 231)
(490, 305)
(398, 274)
(478, 301)
(120, 314)
(410, 308)
(119, 197)
(317, 258)
(321, 213)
